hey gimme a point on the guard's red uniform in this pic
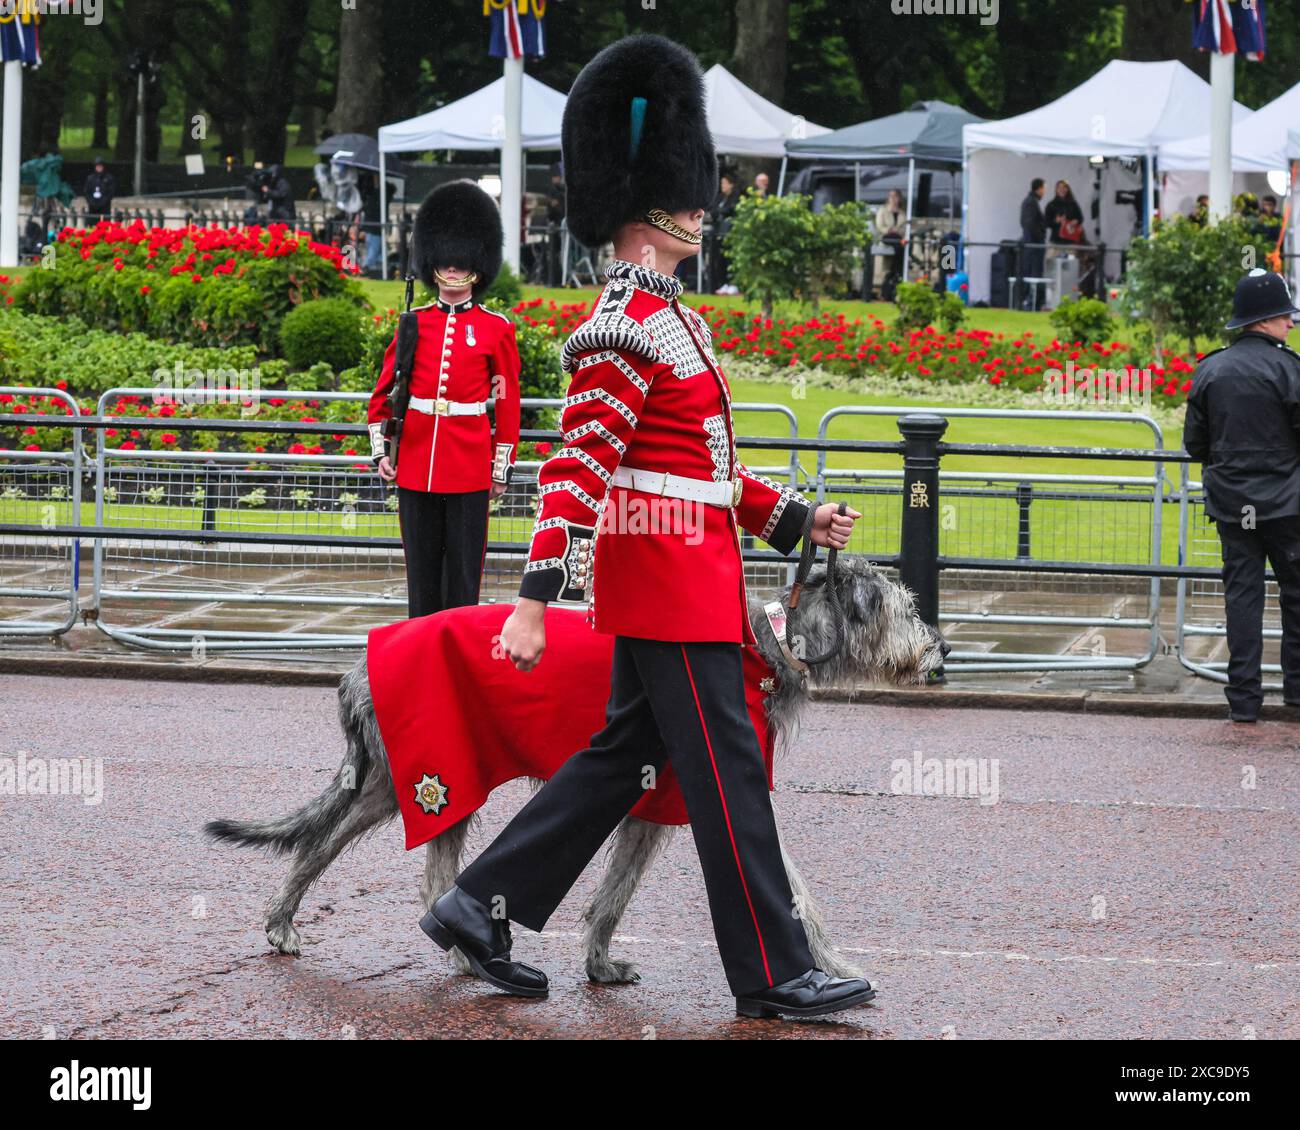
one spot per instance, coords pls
(647, 394)
(467, 354)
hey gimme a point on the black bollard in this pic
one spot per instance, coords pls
(918, 559)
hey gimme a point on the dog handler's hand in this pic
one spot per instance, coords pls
(524, 634)
(831, 528)
(385, 469)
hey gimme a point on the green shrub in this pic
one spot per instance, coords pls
(952, 312)
(325, 330)
(1182, 278)
(43, 350)
(506, 289)
(1085, 320)
(918, 307)
(199, 286)
(780, 248)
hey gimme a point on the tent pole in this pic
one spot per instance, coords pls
(907, 236)
(1151, 193)
(383, 211)
(965, 202)
(780, 180)
(512, 181)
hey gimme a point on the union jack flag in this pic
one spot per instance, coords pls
(518, 28)
(20, 40)
(1229, 28)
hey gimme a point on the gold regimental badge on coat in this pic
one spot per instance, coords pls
(431, 794)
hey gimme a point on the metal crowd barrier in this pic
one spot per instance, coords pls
(1023, 517)
(199, 550)
(41, 569)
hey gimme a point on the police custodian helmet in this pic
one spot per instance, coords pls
(1260, 295)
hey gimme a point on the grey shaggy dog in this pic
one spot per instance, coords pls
(880, 639)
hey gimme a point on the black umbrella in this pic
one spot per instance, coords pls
(359, 151)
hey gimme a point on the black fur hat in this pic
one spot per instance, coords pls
(458, 225)
(611, 176)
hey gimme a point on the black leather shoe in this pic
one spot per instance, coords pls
(1234, 716)
(810, 994)
(458, 919)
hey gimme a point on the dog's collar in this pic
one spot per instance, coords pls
(777, 620)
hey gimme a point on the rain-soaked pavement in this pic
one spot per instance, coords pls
(1135, 877)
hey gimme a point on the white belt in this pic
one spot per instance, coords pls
(661, 483)
(448, 407)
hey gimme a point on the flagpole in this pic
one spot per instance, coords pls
(10, 162)
(1222, 80)
(512, 159)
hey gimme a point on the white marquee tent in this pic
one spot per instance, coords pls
(745, 124)
(1122, 115)
(1259, 144)
(476, 121)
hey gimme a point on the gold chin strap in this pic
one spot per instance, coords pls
(664, 222)
(455, 284)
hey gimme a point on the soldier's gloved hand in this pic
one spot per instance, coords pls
(523, 636)
(385, 469)
(831, 528)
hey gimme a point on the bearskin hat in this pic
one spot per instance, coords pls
(635, 137)
(458, 225)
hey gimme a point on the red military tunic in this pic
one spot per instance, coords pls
(647, 394)
(466, 355)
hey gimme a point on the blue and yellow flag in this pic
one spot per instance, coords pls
(20, 32)
(518, 28)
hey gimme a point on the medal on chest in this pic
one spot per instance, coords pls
(469, 336)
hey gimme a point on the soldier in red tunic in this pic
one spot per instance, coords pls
(451, 459)
(641, 511)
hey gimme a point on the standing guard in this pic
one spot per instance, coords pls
(641, 510)
(439, 446)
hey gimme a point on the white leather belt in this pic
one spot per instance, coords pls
(447, 407)
(724, 495)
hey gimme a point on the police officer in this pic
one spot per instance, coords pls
(1243, 424)
(451, 459)
(100, 189)
(647, 424)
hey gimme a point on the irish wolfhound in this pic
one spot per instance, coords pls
(861, 626)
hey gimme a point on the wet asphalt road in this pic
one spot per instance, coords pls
(1124, 884)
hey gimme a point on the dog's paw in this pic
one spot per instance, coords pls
(284, 937)
(458, 961)
(612, 971)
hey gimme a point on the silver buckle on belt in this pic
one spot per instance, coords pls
(441, 407)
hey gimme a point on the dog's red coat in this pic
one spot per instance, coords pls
(451, 705)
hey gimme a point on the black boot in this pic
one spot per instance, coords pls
(810, 994)
(457, 919)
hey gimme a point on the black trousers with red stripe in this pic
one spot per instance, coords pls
(443, 536)
(683, 703)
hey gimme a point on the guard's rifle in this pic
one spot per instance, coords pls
(408, 337)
